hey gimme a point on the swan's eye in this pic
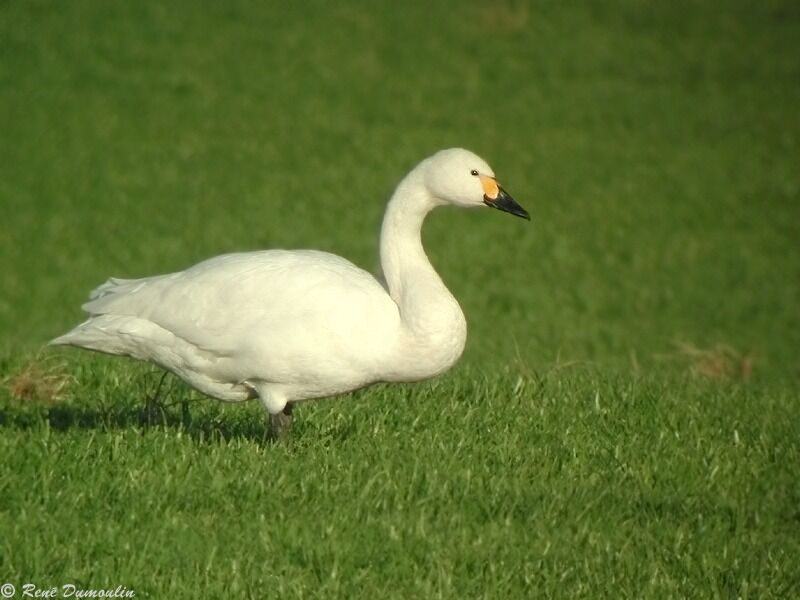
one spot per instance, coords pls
(474, 173)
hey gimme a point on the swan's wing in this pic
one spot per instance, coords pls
(230, 303)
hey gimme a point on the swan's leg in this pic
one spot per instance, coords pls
(280, 424)
(153, 405)
(279, 410)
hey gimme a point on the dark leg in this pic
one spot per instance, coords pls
(281, 423)
(154, 406)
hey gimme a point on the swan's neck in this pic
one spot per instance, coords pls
(404, 262)
(428, 311)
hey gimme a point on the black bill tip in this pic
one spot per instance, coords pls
(507, 204)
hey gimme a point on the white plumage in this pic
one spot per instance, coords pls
(292, 325)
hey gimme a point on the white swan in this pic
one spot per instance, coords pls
(293, 325)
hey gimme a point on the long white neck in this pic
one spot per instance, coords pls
(428, 310)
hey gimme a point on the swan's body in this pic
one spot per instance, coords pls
(303, 324)
(292, 325)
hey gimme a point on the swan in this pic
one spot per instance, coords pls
(292, 325)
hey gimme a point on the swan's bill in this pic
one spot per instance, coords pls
(496, 197)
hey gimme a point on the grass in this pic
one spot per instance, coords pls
(624, 420)
(561, 486)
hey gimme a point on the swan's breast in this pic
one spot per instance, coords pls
(430, 344)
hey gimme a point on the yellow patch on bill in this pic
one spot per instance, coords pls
(490, 187)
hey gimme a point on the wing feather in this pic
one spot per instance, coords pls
(228, 303)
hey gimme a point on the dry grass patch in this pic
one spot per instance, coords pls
(41, 379)
(721, 362)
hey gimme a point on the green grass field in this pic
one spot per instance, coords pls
(625, 422)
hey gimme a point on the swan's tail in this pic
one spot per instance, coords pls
(112, 334)
(139, 338)
(105, 331)
(115, 289)
(114, 284)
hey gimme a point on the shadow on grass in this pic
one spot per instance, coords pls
(154, 406)
(202, 419)
(209, 424)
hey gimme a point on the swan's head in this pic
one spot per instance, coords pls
(457, 176)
